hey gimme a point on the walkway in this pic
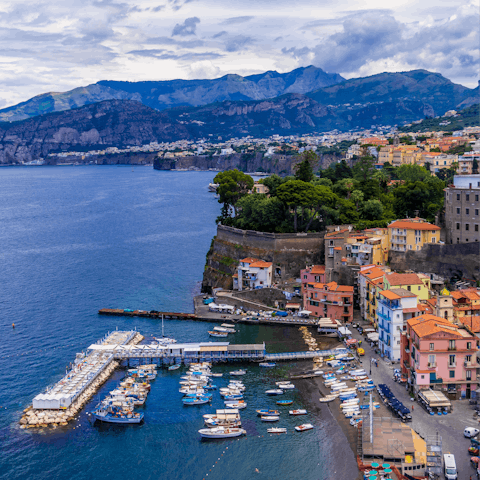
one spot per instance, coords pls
(304, 355)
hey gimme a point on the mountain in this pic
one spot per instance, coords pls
(436, 91)
(117, 123)
(170, 93)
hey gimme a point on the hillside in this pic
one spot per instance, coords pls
(170, 93)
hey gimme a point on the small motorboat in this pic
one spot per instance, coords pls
(284, 403)
(298, 412)
(267, 365)
(217, 375)
(224, 329)
(305, 426)
(286, 386)
(266, 412)
(274, 391)
(218, 334)
(328, 398)
(277, 430)
(233, 397)
(196, 401)
(175, 367)
(238, 372)
(221, 432)
(269, 418)
(210, 387)
(238, 405)
(227, 325)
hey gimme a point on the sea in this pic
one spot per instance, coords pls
(75, 239)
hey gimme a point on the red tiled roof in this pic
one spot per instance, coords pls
(249, 260)
(409, 225)
(403, 279)
(260, 264)
(319, 269)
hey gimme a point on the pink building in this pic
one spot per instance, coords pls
(313, 274)
(440, 355)
(328, 300)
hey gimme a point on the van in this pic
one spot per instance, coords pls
(450, 467)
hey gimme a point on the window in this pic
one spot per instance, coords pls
(452, 373)
(419, 288)
(476, 211)
(458, 210)
(468, 358)
(458, 196)
(476, 198)
(409, 288)
(451, 344)
(432, 346)
(476, 227)
(467, 227)
(467, 197)
(467, 211)
(422, 377)
(304, 276)
(469, 345)
(468, 374)
(458, 226)
(451, 360)
(431, 359)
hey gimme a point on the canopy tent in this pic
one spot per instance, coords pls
(344, 331)
(373, 336)
(304, 313)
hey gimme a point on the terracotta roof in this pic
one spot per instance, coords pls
(260, 264)
(373, 273)
(389, 294)
(344, 288)
(430, 324)
(318, 269)
(408, 224)
(403, 279)
(472, 322)
(337, 248)
(249, 260)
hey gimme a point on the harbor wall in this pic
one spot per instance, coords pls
(287, 251)
(452, 261)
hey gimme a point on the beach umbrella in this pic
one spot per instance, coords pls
(385, 465)
(375, 465)
(372, 477)
(388, 470)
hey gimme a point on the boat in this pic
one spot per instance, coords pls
(221, 432)
(328, 398)
(276, 430)
(218, 334)
(212, 187)
(298, 412)
(233, 397)
(269, 418)
(196, 401)
(286, 386)
(266, 412)
(227, 325)
(267, 365)
(210, 387)
(238, 372)
(274, 391)
(237, 405)
(224, 329)
(217, 375)
(304, 427)
(284, 403)
(175, 367)
(111, 414)
(223, 418)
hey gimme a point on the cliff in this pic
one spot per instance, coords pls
(287, 251)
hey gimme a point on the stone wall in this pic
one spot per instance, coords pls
(460, 260)
(288, 252)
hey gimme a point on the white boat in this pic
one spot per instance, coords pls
(328, 398)
(267, 365)
(224, 329)
(276, 430)
(221, 432)
(240, 405)
(297, 412)
(174, 367)
(212, 187)
(227, 325)
(269, 418)
(238, 372)
(305, 426)
(218, 334)
(286, 386)
(216, 374)
(274, 391)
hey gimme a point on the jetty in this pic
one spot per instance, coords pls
(61, 402)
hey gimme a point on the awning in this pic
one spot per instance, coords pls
(373, 336)
(344, 331)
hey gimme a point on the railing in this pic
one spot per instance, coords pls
(452, 348)
(432, 365)
(469, 365)
(382, 315)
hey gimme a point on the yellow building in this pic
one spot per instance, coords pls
(411, 234)
(400, 155)
(417, 284)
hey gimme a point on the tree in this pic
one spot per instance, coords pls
(232, 185)
(326, 182)
(475, 166)
(357, 197)
(272, 182)
(345, 187)
(364, 168)
(259, 212)
(372, 210)
(304, 170)
(412, 173)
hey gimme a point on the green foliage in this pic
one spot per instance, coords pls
(412, 173)
(233, 185)
(372, 210)
(326, 182)
(337, 171)
(364, 168)
(304, 170)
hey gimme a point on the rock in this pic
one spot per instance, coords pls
(23, 421)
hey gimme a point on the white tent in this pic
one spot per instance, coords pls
(304, 313)
(373, 336)
(344, 331)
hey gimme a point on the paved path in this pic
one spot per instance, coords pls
(450, 427)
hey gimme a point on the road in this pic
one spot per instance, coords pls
(450, 427)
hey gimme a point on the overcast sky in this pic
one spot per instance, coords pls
(57, 45)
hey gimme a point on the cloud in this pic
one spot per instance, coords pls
(158, 9)
(204, 69)
(178, 4)
(237, 43)
(220, 34)
(186, 28)
(235, 20)
(173, 41)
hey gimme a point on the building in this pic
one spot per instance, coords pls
(462, 209)
(411, 234)
(465, 165)
(313, 274)
(260, 188)
(394, 308)
(466, 307)
(253, 273)
(370, 281)
(440, 355)
(329, 300)
(413, 282)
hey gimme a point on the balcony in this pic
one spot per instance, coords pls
(382, 315)
(437, 380)
(470, 365)
(432, 365)
(407, 350)
(452, 348)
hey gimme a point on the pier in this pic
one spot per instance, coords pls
(308, 355)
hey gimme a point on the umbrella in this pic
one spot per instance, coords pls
(388, 470)
(372, 477)
(385, 465)
(375, 465)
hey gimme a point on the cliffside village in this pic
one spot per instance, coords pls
(431, 331)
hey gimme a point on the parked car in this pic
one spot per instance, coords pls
(470, 432)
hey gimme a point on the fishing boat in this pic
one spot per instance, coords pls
(217, 375)
(223, 418)
(266, 412)
(238, 372)
(286, 386)
(233, 397)
(218, 334)
(240, 405)
(224, 329)
(111, 414)
(304, 427)
(269, 418)
(284, 403)
(274, 391)
(276, 430)
(221, 432)
(267, 365)
(328, 398)
(298, 412)
(196, 401)
(174, 367)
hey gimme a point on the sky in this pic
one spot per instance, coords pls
(57, 45)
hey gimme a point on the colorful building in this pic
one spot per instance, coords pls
(416, 283)
(412, 234)
(440, 355)
(313, 274)
(253, 273)
(370, 281)
(466, 307)
(329, 300)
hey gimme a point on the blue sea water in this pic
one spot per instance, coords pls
(76, 239)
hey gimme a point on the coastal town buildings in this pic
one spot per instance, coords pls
(440, 355)
(416, 283)
(462, 209)
(312, 274)
(253, 273)
(329, 300)
(412, 234)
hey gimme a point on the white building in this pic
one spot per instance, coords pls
(394, 308)
(253, 273)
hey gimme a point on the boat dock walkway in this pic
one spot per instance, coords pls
(308, 355)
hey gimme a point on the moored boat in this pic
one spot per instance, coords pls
(238, 372)
(269, 418)
(221, 432)
(218, 334)
(284, 403)
(265, 412)
(286, 386)
(267, 365)
(304, 427)
(174, 367)
(196, 401)
(277, 430)
(274, 391)
(111, 414)
(298, 412)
